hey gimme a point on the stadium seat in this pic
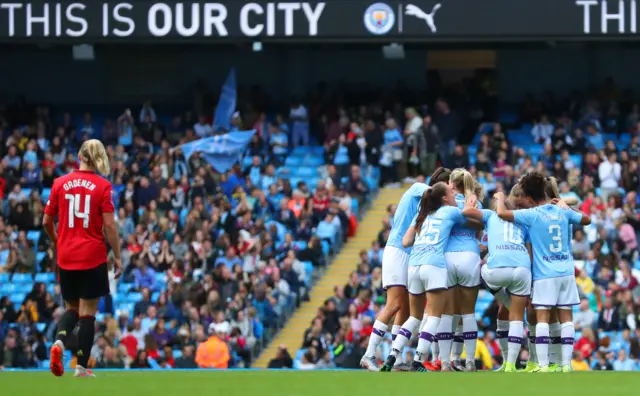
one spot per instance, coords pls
(22, 278)
(40, 256)
(125, 287)
(354, 205)
(306, 172)
(41, 326)
(45, 277)
(293, 162)
(26, 191)
(99, 317)
(16, 298)
(155, 296)
(177, 354)
(300, 245)
(7, 288)
(45, 194)
(313, 161)
(301, 151)
(134, 297)
(24, 288)
(33, 236)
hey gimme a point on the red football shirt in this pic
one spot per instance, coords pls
(79, 199)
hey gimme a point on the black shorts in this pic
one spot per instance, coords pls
(84, 284)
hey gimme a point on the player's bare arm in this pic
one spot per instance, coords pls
(111, 231)
(409, 237)
(49, 228)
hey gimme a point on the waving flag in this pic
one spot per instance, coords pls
(221, 151)
(227, 104)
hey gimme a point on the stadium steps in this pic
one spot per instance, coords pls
(337, 274)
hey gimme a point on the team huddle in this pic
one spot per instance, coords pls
(432, 271)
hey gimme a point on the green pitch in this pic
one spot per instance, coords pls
(318, 383)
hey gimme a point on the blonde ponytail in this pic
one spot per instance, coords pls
(93, 154)
(463, 181)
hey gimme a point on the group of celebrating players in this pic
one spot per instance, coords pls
(432, 271)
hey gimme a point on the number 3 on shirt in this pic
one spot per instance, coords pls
(556, 236)
(74, 209)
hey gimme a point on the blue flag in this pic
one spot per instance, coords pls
(227, 104)
(221, 151)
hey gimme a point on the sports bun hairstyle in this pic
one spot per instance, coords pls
(440, 175)
(93, 154)
(430, 202)
(534, 185)
(463, 181)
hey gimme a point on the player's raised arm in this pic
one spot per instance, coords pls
(470, 211)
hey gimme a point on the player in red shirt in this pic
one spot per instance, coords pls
(82, 202)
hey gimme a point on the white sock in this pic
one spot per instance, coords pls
(435, 351)
(424, 321)
(395, 329)
(516, 331)
(503, 297)
(458, 340)
(409, 328)
(470, 334)
(376, 337)
(568, 335)
(555, 347)
(427, 336)
(542, 343)
(502, 332)
(533, 354)
(445, 338)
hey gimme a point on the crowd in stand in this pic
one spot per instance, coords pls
(214, 262)
(590, 144)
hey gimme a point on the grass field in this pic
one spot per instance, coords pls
(318, 383)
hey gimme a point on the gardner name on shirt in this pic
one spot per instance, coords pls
(79, 183)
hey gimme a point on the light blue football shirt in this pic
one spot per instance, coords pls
(506, 242)
(550, 231)
(430, 243)
(405, 213)
(463, 239)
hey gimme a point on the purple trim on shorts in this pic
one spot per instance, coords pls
(404, 332)
(470, 335)
(502, 334)
(445, 336)
(515, 340)
(437, 289)
(394, 285)
(542, 340)
(567, 340)
(393, 337)
(427, 336)
(555, 340)
(458, 338)
(378, 332)
(417, 294)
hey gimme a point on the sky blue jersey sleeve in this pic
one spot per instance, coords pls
(527, 237)
(573, 216)
(455, 215)
(486, 215)
(524, 217)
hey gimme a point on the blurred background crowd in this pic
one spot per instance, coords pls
(215, 262)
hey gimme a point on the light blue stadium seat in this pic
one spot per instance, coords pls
(4, 278)
(41, 326)
(33, 236)
(301, 151)
(300, 353)
(247, 161)
(26, 191)
(325, 247)
(300, 245)
(22, 278)
(40, 256)
(354, 205)
(177, 354)
(161, 277)
(295, 180)
(535, 149)
(134, 297)
(636, 265)
(293, 161)
(154, 365)
(306, 172)
(45, 363)
(577, 160)
(125, 287)
(45, 194)
(313, 161)
(155, 296)
(16, 298)
(7, 288)
(317, 150)
(24, 288)
(99, 317)
(183, 215)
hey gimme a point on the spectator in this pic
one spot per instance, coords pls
(585, 318)
(213, 353)
(282, 359)
(610, 174)
(610, 317)
(187, 360)
(623, 363)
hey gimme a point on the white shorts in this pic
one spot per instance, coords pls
(463, 268)
(517, 280)
(561, 293)
(426, 278)
(395, 263)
